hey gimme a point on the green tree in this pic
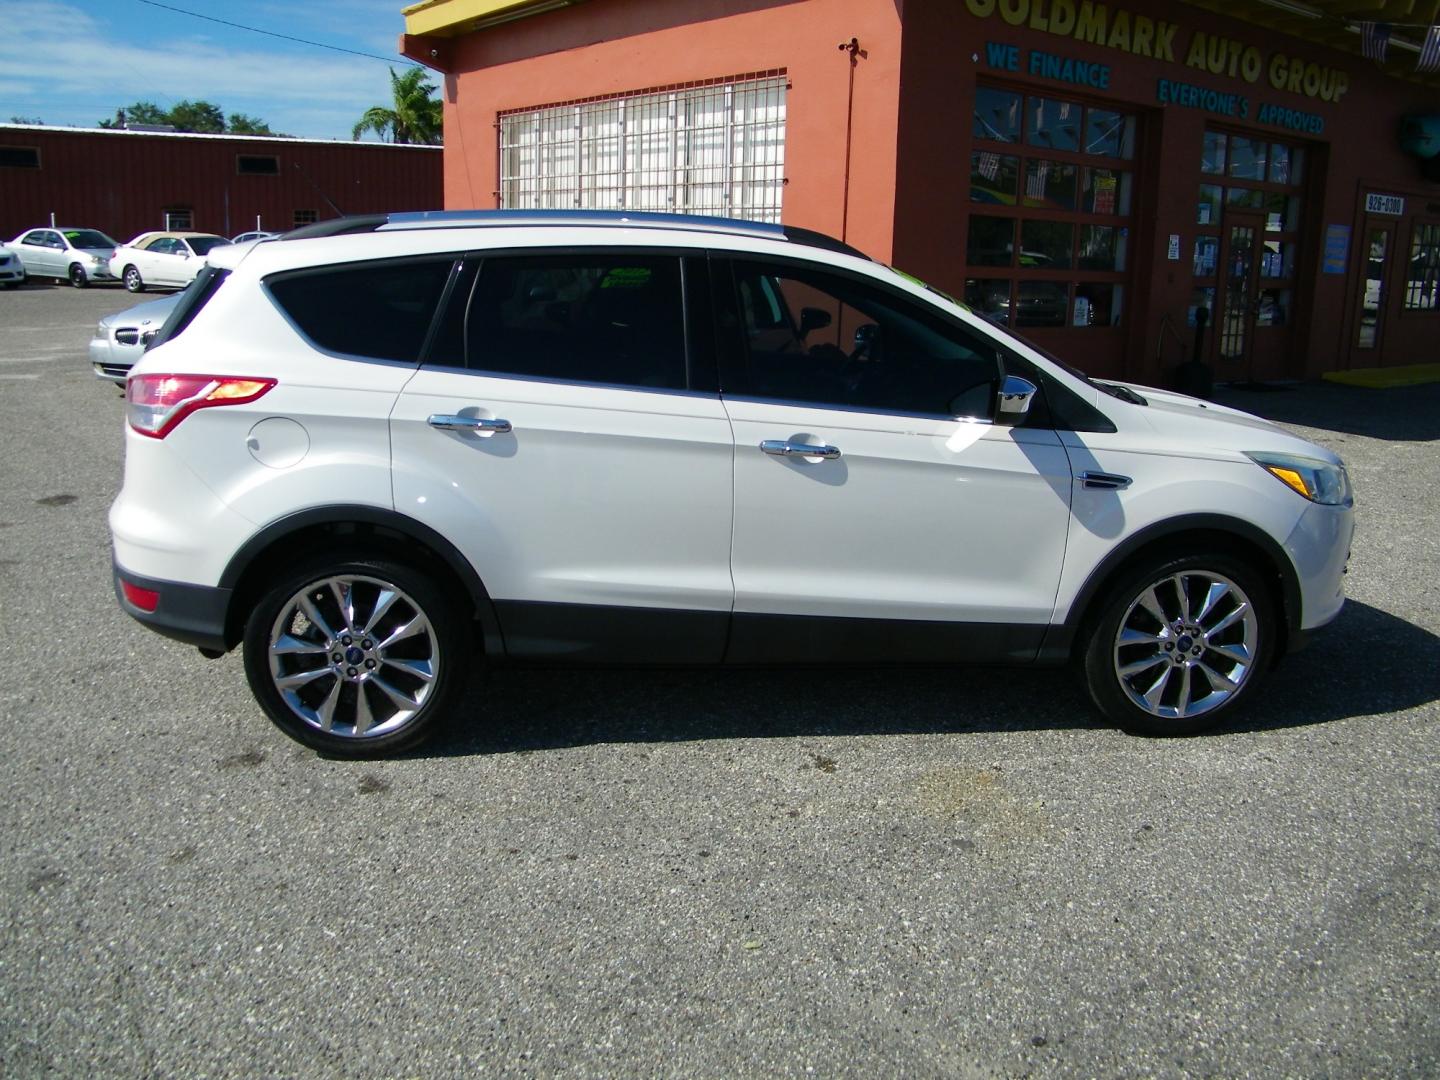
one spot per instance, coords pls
(141, 112)
(240, 124)
(415, 116)
(198, 116)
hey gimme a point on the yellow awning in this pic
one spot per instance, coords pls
(448, 18)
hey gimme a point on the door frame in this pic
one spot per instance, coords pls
(1358, 356)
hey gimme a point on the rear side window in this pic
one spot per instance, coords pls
(380, 310)
(195, 296)
(588, 317)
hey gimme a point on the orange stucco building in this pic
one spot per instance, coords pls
(1100, 176)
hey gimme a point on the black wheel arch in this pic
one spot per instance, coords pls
(353, 527)
(1235, 536)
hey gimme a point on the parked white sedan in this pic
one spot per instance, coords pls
(12, 271)
(78, 256)
(162, 258)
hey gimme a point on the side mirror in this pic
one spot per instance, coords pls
(813, 318)
(1013, 400)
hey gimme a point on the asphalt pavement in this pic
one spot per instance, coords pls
(852, 872)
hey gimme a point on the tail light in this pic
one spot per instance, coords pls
(155, 404)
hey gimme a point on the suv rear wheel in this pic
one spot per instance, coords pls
(356, 656)
(1178, 642)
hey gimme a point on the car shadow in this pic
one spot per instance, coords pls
(1367, 662)
(1403, 413)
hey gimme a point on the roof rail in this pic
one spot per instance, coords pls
(355, 223)
(458, 219)
(462, 219)
(811, 238)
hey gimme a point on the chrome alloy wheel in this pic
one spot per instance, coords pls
(1186, 644)
(353, 656)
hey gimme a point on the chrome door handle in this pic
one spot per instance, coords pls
(469, 423)
(784, 448)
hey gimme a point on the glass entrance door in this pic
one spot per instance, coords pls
(1379, 239)
(1236, 299)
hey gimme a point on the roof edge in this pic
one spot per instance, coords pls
(448, 18)
(273, 140)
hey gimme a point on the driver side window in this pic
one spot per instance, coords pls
(814, 337)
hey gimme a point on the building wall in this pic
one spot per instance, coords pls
(123, 182)
(945, 54)
(608, 47)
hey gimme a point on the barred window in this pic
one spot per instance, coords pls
(716, 149)
(1422, 275)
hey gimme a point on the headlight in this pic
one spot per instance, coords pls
(1319, 481)
(95, 260)
(101, 333)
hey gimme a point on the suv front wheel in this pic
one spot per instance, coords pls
(355, 656)
(1178, 642)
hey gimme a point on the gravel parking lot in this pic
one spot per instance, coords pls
(694, 873)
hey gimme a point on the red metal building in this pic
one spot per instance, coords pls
(128, 182)
(1093, 173)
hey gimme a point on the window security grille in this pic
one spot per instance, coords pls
(717, 149)
(179, 221)
(306, 217)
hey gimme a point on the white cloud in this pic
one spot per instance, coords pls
(57, 56)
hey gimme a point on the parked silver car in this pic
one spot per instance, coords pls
(78, 256)
(120, 339)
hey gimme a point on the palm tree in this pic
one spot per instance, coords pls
(415, 117)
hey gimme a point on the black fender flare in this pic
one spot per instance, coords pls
(1061, 637)
(357, 514)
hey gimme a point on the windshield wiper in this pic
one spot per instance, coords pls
(1124, 393)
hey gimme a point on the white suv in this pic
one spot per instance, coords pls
(378, 449)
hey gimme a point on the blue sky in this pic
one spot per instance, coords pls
(73, 62)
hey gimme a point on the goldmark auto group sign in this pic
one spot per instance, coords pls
(1139, 35)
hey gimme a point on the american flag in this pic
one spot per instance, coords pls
(1374, 38)
(1430, 51)
(1035, 182)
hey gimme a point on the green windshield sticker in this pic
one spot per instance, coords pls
(931, 288)
(626, 277)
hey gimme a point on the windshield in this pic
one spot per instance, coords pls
(202, 244)
(88, 238)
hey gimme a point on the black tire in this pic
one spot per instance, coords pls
(1165, 679)
(346, 692)
(78, 277)
(133, 281)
